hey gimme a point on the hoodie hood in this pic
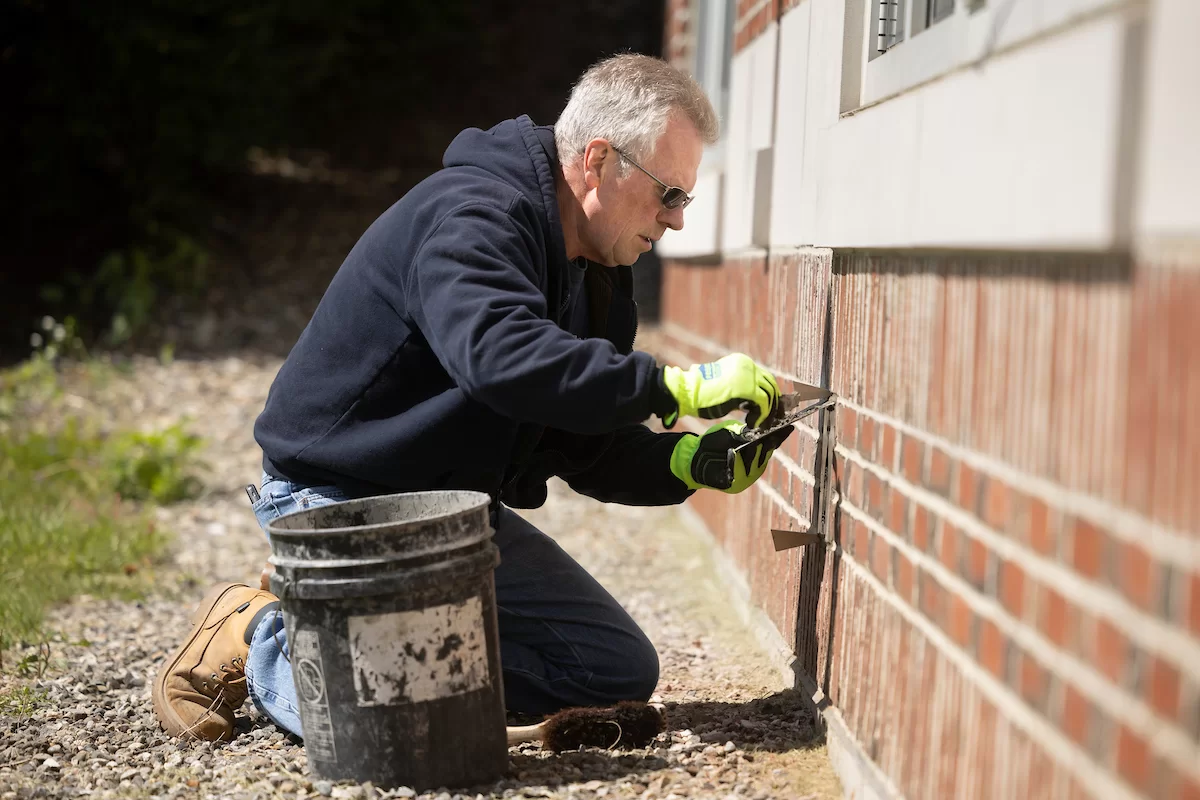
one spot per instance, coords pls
(508, 151)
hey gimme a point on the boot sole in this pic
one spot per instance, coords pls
(171, 722)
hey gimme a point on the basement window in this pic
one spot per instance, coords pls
(930, 12)
(892, 18)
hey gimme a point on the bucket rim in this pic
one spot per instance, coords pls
(481, 501)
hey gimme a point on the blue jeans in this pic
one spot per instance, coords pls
(564, 640)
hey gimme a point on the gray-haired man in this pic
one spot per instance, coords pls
(480, 336)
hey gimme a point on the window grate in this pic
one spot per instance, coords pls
(889, 25)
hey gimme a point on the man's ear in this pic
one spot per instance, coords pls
(598, 161)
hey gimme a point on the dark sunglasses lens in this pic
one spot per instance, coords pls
(674, 197)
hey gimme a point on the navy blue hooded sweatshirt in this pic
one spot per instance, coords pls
(441, 356)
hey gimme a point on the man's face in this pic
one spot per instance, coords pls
(624, 215)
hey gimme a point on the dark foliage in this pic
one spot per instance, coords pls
(124, 122)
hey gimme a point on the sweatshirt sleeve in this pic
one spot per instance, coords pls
(635, 470)
(475, 284)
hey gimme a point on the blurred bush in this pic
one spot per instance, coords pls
(123, 119)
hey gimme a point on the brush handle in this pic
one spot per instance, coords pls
(519, 734)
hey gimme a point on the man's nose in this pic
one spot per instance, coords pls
(672, 218)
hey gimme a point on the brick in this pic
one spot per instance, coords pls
(1011, 589)
(939, 471)
(1133, 759)
(1076, 713)
(1081, 631)
(1167, 580)
(1018, 516)
(866, 438)
(932, 598)
(922, 531)
(897, 519)
(949, 546)
(855, 477)
(881, 559)
(1100, 735)
(975, 562)
(1054, 613)
(967, 492)
(1089, 548)
(913, 460)
(1040, 537)
(1137, 670)
(1033, 682)
(1162, 688)
(1136, 576)
(847, 427)
(960, 619)
(991, 648)
(1193, 614)
(1111, 652)
(875, 496)
(996, 504)
(888, 454)
(861, 541)
(905, 577)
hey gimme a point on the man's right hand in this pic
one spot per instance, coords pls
(713, 390)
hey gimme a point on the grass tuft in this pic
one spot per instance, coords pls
(75, 503)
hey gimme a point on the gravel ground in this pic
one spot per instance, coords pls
(732, 729)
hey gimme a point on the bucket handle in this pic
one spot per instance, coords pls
(287, 584)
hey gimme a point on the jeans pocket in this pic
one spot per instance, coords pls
(276, 499)
(316, 496)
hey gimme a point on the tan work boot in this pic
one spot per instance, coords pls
(203, 682)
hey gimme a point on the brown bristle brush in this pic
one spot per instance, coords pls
(626, 725)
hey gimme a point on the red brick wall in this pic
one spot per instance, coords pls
(1011, 603)
(679, 37)
(1014, 590)
(753, 17)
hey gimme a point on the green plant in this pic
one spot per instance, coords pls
(123, 290)
(73, 517)
(57, 340)
(154, 466)
(35, 663)
(21, 701)
(130, 282)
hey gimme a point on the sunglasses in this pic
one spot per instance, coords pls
(672, 197)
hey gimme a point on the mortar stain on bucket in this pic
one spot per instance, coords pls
(390, 608)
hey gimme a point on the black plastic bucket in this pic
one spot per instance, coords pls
(390, 607)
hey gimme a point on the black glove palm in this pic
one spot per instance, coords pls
(709, 461)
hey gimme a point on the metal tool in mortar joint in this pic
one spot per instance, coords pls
(790, 409)
(717, 468)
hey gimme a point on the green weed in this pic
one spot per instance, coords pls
(75, 504)
(21, 701)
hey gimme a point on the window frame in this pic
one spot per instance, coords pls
(702, 235)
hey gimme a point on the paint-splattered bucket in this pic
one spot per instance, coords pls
(390, 609)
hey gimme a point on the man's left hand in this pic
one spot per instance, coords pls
(702, 462)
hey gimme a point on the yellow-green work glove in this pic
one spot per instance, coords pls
(708, 461)
(712, 390)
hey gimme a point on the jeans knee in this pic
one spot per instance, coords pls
(640, 672)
